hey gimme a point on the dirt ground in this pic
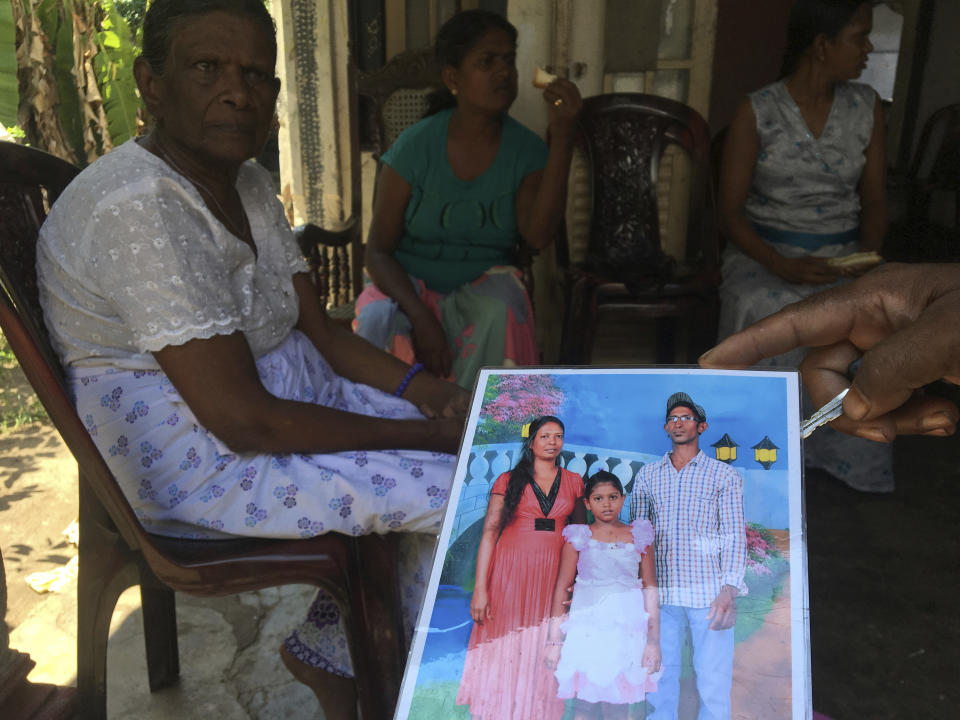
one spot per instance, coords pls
(38, 499)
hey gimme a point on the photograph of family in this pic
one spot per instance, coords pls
(620, 544)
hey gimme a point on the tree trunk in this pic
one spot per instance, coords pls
(38, 114)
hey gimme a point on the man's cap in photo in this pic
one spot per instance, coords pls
(681, 398)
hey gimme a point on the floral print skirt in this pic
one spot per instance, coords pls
(182, 481)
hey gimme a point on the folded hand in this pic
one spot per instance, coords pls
(902, 318)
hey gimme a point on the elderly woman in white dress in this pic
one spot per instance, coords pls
(802, 181)
(199, 355)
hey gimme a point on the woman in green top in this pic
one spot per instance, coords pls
(456, 194)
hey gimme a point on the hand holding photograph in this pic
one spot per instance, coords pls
(620, 544)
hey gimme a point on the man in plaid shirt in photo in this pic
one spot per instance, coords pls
(696, 506)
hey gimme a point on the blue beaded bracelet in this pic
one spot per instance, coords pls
(414, 369)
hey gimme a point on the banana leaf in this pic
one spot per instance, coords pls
(9, 97)
(114, 67)
(56, 21)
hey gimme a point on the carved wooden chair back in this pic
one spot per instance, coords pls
(116, 552)
(624, 137)
(394, 97)
(336, 256)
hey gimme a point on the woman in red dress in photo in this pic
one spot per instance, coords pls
(504, 677)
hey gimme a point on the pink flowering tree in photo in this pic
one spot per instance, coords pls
(768, 572)
(761, 547)
(510, 401)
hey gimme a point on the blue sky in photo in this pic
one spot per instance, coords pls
(626, 411)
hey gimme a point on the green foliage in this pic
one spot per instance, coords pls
(56, 21)
(91, 50)
(437, 701)
(460, 563)
(6, 354)
(8, 66)
(114, 68)
(133, 12)
(18, 404)
(765, 590)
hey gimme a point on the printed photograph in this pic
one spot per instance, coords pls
(620, 544)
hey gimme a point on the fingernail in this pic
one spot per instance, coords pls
(706, 355)
(874, 434)
(938, 421)
(855, 405)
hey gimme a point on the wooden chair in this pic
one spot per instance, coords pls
(395, 96)
(335, 258)
(117, 553)
(626, 271)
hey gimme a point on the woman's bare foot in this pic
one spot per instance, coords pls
(337, 694)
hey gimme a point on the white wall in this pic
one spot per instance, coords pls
(882, 65)
(534, 22)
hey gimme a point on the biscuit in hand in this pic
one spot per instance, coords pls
(541, 78)
(861, 258)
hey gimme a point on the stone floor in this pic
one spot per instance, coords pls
(229, 665)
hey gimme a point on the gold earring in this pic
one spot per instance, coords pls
(453, 92)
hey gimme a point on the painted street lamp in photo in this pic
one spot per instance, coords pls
(765, 452)
(726, 449)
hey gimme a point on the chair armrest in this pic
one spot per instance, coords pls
(310, 235)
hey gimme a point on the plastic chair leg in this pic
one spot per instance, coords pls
(97, 595)
(107, 568)
(159, 631)
(375, 627)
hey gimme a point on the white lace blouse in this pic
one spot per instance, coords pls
(130, 260)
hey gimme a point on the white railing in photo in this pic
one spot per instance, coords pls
(488, 462)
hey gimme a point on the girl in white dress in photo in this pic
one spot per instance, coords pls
(606, 652)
